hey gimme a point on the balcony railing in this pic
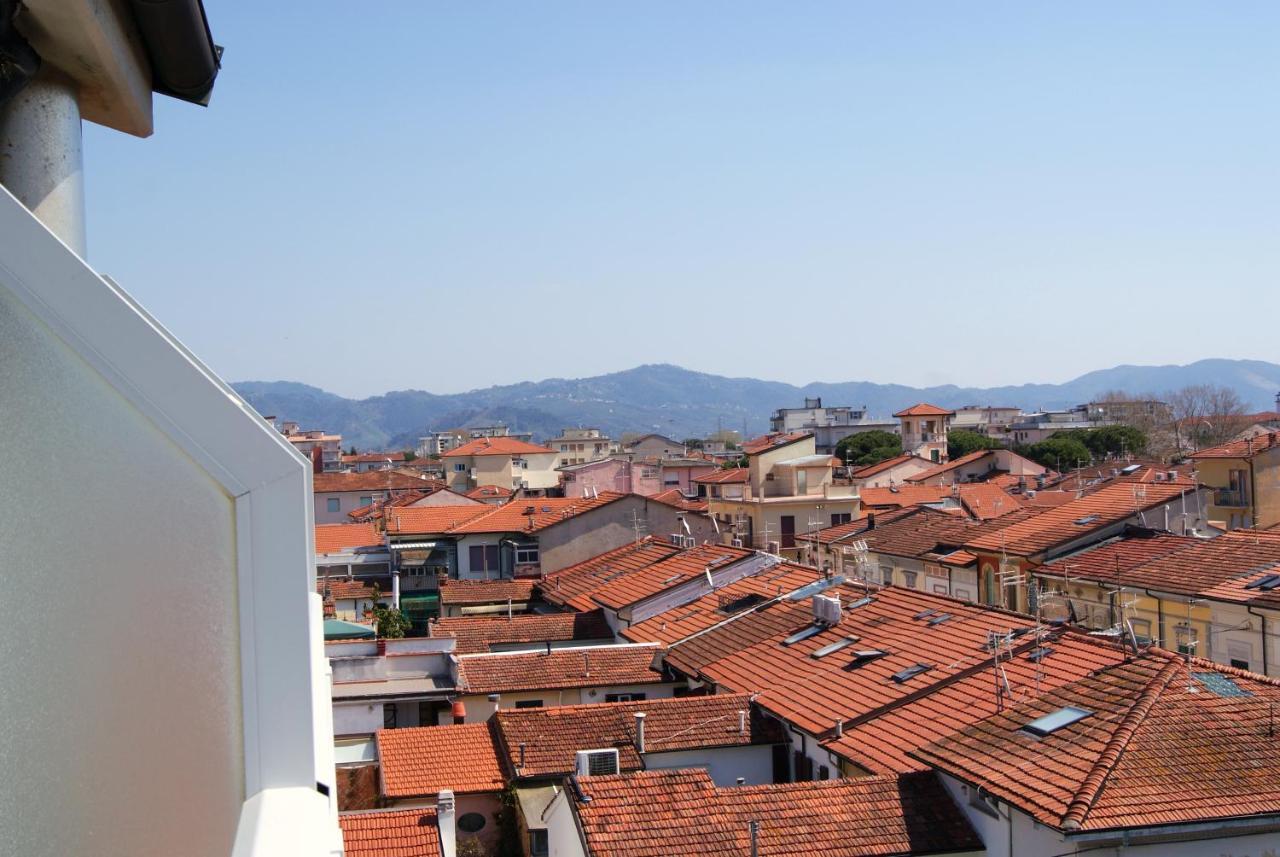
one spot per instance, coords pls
(1229, 497)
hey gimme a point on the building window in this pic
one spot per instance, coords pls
(824, 773)
(538, 844)
(529, 703)
(886, 575)
(838, 518)
(526, 555)
(333, 504)
(624, 697)
(484, 558)
(471, 822)
(648, 472)
(427, 714)
(389, 716)
(366, 501)
(459, 467)
(909, 579)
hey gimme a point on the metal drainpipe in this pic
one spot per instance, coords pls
(41, 154)
(1159, 620)
(1263, 617)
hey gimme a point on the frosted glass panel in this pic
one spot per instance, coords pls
(120, 711)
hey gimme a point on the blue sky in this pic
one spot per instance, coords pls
(446, 196)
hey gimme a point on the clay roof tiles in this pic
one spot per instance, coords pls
(340, 538)
(666, 573)
(421, 761)
(473, 592)
(573, 586)
(730, 475)
(372, 480)
(924, 409)
(481, 633)
(1242, 448)
(773, 440)
(584, 666)
(394, 833)
(496, 446)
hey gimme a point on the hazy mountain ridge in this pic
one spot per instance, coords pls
(684, 403)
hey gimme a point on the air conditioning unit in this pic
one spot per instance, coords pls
(596, 763)
(773, 548)
(826, 609)
(737, 543)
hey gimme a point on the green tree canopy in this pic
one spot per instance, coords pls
(1061, 452)
(868, 447)
(961, 442)
(390, 622)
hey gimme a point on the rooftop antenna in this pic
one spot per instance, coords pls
(639, 525)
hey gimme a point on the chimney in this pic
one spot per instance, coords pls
(742, 722)
(639, 731)
(445, 818)
(496, 699)
(742, 781)
(871, 520)
(520, 764)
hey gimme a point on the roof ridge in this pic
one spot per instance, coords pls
(1091, 787)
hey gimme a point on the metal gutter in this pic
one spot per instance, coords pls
(184, 60)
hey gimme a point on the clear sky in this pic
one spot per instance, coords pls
(445, 196)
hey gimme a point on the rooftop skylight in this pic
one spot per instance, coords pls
(911, 672)
(803, 634)
(1055, 720)
(831, 648)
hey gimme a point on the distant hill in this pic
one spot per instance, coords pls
(682, 403)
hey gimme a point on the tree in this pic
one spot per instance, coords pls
(961, 442)
(390, 623)
(1060, 452)
(1206, 415)
(694, 442)
(1114, 440)
(868, 447)
(410, 455)
(351, 451)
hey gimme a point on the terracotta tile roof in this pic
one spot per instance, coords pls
(1165, 741)
(1193, 566)
(663, 575)
(372, 457)
(431, 519)
(496, 446)
(460, 592)
(675, 498)
(727, 476)
(396, 833)
(887, 464)
(1244, 448)
(856, 527)
(481, 633)
(881, 741)
(902, 495)
(421, 761)
(532, 515)
(335, 588)
(1246, 589)
(551, 736)
(573, 586)
(1116, 557)
(947, 467)
(773, 440)
(715, 607)
(925, 410)
(683, 812)
(748, 654)
(583, 666)
(488, 492)
(1034, 499)
(930, 531)
(1067, 523)
(341, 538)
(372, 480)
(986, 501)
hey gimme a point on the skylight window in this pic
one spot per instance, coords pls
(865, 656)
(832, 648)
(1087, 519)
(803, 634)
(1258, 584)
(925, 614)
(1055, 720)
(911, 672)
(861, 602)
(939, 619)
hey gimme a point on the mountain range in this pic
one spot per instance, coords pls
(682, 403)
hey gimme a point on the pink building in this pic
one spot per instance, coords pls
(681, 473)
(616, 473)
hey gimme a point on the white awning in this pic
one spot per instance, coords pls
(402, 546)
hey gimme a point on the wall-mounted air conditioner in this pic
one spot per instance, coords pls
(596, 763)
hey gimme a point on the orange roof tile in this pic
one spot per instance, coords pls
(1046, 499)
(421, 761)
(929, 531)
(371, 457)
(1164, 741)
(674, 497)
(715, 607)
(902, 495)
(935, 472)
(924, 409)
(460, 592)
(335, 588)
(887, 464)
(496, 446)
(532, 515)
(1115, 558)
(1192, 566)
(573, 586)
(684, 812)
(431, 519)
(773, 440)
(481, 633)
(551, 736)
(583, 666)
(985, 501)
(395, 833)
(857, 526)
(1072, 521)
(342, 538)
(667, 573)
(371, 480)
(1243, 448)
(489, 491)
(728, 475)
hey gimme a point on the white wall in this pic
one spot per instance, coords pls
(563, 839)
(110, 739)
(723, 764)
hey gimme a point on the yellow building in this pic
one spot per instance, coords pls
(789, 490)
(1245, 477)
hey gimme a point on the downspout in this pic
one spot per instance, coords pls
(1263, 617)
(1160, 619)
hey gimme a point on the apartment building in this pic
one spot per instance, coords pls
(580, 445)
(828, 425)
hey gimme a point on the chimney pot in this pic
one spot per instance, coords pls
(742, 722)
(640, 731)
